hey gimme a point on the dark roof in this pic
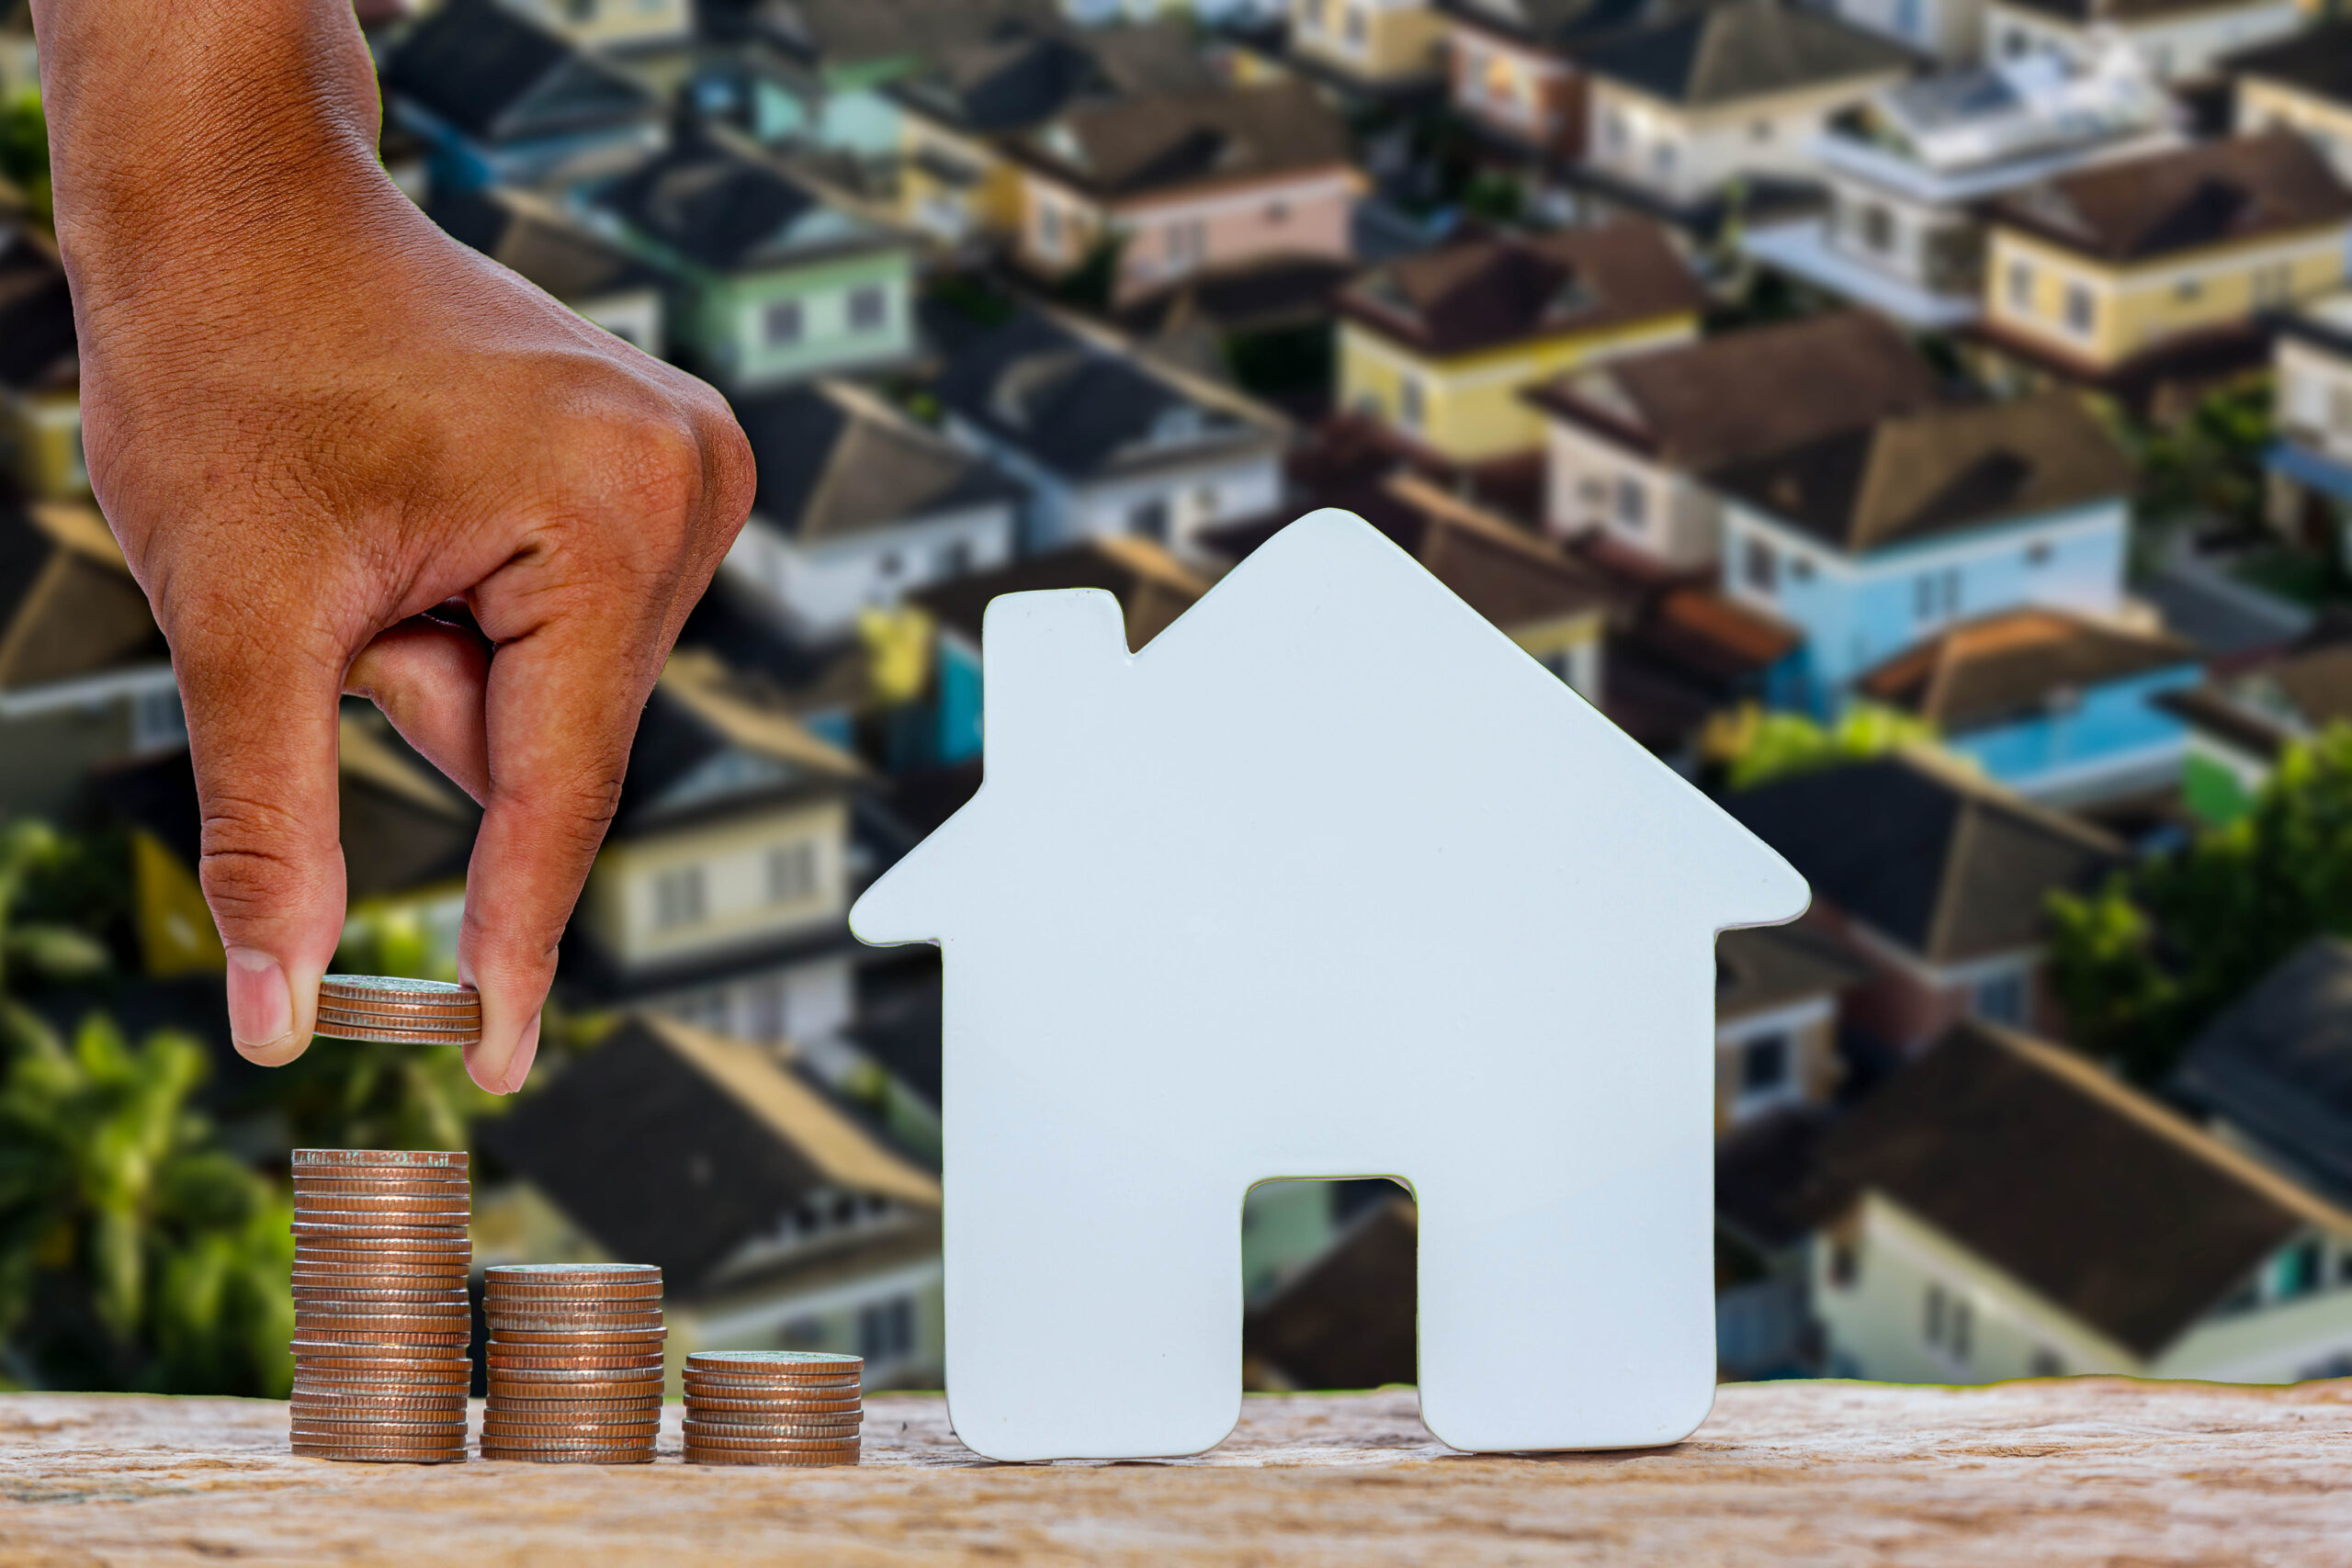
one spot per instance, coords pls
(2217, 193)
(2278, 1065)
(834, 461)
(1724, 399)
(2015, 665)
(2083, 13)
(712, 741)
(2317, 61)
(1948, 866)
(1561, 24)
(1023, 76)
(1740, 48)
(1082, 405)
(38, 348)
(500, 77)
(1771, 966)
(540, 242)
(1152, 587)
(1481, 293)
(1262, 294)
(2090, 1194)
(1347, 1320)
(1938, 470)
(901, 1031)
(671, 1147)
(869, 33)
(1149, 142)
(69, 606)
(719, 207)
(1768, 1186)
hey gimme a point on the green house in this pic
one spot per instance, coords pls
(769, 281)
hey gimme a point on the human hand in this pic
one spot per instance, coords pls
(311, 418)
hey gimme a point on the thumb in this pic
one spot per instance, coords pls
(261, 723)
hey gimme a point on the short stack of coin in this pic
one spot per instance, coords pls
(398, 1012)
(575, 1363)
(381, 1317)
(800, 1407)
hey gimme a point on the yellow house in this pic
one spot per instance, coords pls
(1438, 347)
(2113, 267)
(2300, 84)
(1374, 42)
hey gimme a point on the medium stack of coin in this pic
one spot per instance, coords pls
(380, 1318)
(797, 1408)
(398, 1012)
(575, 1363)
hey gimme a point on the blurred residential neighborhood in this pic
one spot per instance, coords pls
(1926, 424)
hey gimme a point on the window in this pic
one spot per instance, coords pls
(2000, 998)
(1878, 228)
(1758, 566)
(783, 324)
(1408, 402)
(1936, 1310)
(1149, 520)
(1764, 1064)
(1964, 1325)
(156, 719)
(1049, 228)
(955, 559)
(1662, 160)
(888, 564)
(1950, 1323)
(1632, 503)
(792, 873)
(2022, 288)
(886, 1331)
(1799, 570)
(868, 309)
(678, 897)
(1935, 595)
(767, 1009)
(2082, 309)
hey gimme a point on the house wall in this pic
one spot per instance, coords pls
(1058, 228)
(1220, 486)
(1470, 410)
(1938, 248)
(609, 22)
(1952, 31)
(2283, 1338)
(730, 859)
(2177, 47)
(827, 1314)
(1807, 1033)
(635, 316)
(819, 589)
(1528, 93)
(1171, 235)
(1686, 155)
(2100, 315)
(1856, 611)
(40, 444)
(2314, 398)
(1590, 482)
(989, 205)
(460, 163)
(52, 737)
(1373, 41)
(2114, 736)
(808, 1002)
(2327, 125)
(726, 321)
(1907, 1003)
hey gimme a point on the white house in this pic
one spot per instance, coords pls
(1330, 880)
(2179, 42)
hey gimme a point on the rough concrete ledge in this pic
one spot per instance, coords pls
(2091, 1471)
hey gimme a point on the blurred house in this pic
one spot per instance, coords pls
(548, 245)
(611, 24)
(1874, 538)
(40, 370)
(2309, 467)
(771, 281)
(2303, 83)
(2058, 706)
(780, 1219)
(2014, 1211)
(1950, 32)
(1909, 168)
(1348, 1319)
(500, 100)
(1511, 66)
(85, 678)
(1734, 92)
(2153, 269)
(1936, 881)
(1437, 346)
(2273, 1073)
(20, 54)
(2180, 43)
(1631, 443)
(1176, 183)
(1776, 989)
(1108, 442)
(1768, 1200)
(858, 506)
(1370, 43)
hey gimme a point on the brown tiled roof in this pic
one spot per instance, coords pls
(1745, 394)
(1716, 635)
(1155, 142)
(1511, 578)
(2088, 1193)
(2219, 193)
(2001, 667)
(1938, 470)
(2264, 707)
(1771, 966)
(1484, 293)
(1152, 587)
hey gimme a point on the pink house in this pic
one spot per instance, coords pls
(1186, 183)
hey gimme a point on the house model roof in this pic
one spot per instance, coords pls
(2011, 666)
(1486, 293)
(1023, 75)
(1741, 49)
(2091, 1195)
(1152, 586)
(531, 235)
(499, 77)
(37, 347)
(1924, 853)
(69, 606)
(836, 461)
(1938, 470)
(2317, 61)
(716, 207)
(2217, 193)
(1727, 399)
(1149, 142)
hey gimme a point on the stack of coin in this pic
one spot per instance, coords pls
(575, 1363)
(398, 1012)
(380, 1318)
(773, 1407)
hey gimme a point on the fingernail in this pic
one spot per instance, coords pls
(525, 1050)
(261, 1004)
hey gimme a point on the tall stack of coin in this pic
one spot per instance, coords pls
(800, 1407)
(575, 1363)
(380, 1318)
(398, 1012)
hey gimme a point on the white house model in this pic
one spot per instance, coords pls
(1333, 880)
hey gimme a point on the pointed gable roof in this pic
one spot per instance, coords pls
(2317, 61)
(1741, 49)
(523, 231)
(835, 462)
(1559, 24)
(500, 78)
(713, 742)
(1023, 76)
(718, 206)
(1494, 291)
(1147, 142)
(1938, 470)
(69, 606)
(2222, 192)
(2001, 668)
(2277, 1063)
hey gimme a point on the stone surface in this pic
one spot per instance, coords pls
(2017, 1476)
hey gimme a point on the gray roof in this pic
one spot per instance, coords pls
(1157, 142)
(1773, 966)
(1562, 23)
(719, 207)
(867, 33)
(1741, 49)
(1024, 75)
(541, 243)
(2278, 1064)
(834, 462)
(496, 75)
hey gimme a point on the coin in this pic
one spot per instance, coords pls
(349, 1342)
(393, 989)
(724, 1443)
(506, 1424)
(351, 1297)
(802, 1460)
(559, 1330)
(353, 1454)
(560, 1339)
(632, 1404)
(369, 1159)
(790, 1409)
(403, 1204)
(776, 1362)
(707, 1388)
(309, 1399)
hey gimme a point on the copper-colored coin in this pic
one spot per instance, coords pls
(450, 1267)
(421, 1424)
(506, 1279)
(787, 1409)
(343, 1318)
(547, 1273)
(565, 1337)
(647, 1376)
(724, 1443)
(801, 1460)
(347, 1454)
(409, 1362)
(369, 1205)
(566, 1456)
(541, 1328)
(420, 1016)
(371, 1159)
(350, 1342)
(720, 1424)
(510, 1424)
(389, 1230)
(373, 1034)
(351, 1298)
(309, 1399)
(405, 1183)
(590, 1443)
(707, 1388)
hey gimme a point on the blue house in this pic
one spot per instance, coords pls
(500, 100)
(2058, 706)
(1873, 539)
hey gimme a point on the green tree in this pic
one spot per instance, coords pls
(34, 951)
(24, 149)
(1755, 745)
(2209, 462)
